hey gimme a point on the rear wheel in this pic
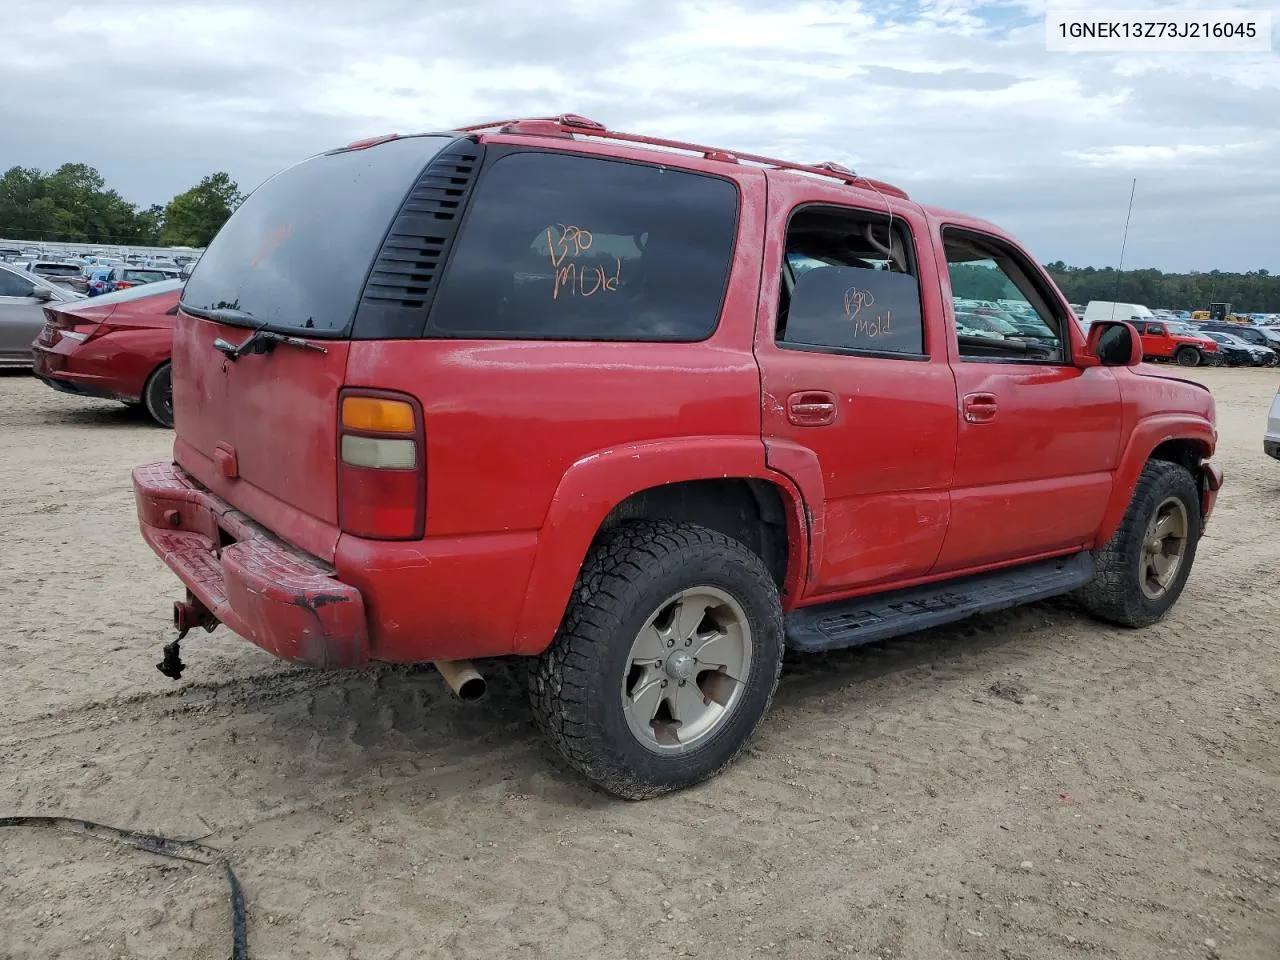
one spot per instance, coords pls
(1141, 573)
(666, 661)
(157, 395)
(1188, 357)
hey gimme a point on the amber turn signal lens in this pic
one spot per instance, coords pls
(377, 415)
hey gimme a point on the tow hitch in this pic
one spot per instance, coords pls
(187, 615)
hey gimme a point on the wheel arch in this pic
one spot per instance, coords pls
(1177, 439)
(722, 483)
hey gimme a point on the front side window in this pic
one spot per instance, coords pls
(559, 247)
(1001, 312)
(849, 285)
(12, 285)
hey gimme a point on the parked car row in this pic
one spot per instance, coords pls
(94, 275)
(1192, 343)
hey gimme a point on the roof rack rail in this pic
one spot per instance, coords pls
(570, 124)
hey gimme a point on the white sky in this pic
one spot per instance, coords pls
(956, 101)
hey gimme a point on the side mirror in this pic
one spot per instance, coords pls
(43, 294)
(1115, 343)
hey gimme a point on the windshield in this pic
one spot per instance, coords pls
(1183, 330)
(295, 255)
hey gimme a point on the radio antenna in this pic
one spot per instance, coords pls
(1123, 243)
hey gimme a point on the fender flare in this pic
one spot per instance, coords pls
(1148, 434)
(597, 483)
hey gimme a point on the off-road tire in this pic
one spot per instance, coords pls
(1188, 357)
(575, 686)
(1115, 594)
(157, 395)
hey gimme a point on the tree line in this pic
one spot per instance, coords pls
(73, 205)
(1254, 292)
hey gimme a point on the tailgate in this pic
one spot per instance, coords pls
(287, 272)
(261, 431)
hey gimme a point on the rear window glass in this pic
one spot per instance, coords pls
(137, 293)
(57, 269)
(560, 247)
(296, 253)
(144, 276)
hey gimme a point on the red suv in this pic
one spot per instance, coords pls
(1168, 340)
(645, 413)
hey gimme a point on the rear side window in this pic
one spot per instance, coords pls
(295, 255)
(849, 285)
(559, 247)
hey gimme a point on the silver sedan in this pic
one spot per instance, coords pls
(22, 299)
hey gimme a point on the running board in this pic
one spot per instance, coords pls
(847, 623)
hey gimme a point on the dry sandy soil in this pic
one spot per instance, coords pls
(1029, 785)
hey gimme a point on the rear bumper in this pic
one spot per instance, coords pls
(70, 368)
(1271, 447)
(285, 601)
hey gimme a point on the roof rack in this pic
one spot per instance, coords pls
(568, 125)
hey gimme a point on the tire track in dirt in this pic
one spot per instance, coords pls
(887, 807)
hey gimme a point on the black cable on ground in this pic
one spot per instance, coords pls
(187, 850)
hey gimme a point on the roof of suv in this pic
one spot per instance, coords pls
(640, 147)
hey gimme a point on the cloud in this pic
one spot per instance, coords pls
(956, 101)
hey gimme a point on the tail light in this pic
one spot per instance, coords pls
(60, 325)
(382, 469)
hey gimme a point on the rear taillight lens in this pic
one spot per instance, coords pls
(59, 327)
(381, 465)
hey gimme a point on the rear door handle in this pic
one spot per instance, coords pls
(811, 408)
(980, 407)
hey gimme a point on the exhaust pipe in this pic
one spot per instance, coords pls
(463, 678)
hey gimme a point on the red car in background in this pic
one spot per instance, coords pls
(116, 346)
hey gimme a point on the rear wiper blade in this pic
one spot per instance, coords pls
(263, 341)
(224, 315)
(260, 340)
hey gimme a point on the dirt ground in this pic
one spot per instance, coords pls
(1028, 786)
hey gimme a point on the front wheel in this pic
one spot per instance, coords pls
(1188, 357)
(666, 661)
(157, 396)
(1142, 571)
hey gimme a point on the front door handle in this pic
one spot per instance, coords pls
(811, 408)
(980, 407)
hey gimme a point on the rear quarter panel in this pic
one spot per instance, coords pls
(508, 422)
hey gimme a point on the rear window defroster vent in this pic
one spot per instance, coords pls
(400, 286)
